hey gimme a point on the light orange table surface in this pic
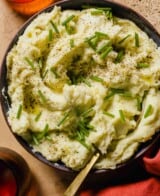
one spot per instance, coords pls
(49, 183)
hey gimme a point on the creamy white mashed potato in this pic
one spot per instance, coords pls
(81, 80)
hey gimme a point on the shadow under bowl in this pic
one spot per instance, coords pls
(130, 169)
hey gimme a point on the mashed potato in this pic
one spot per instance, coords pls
(81, 80)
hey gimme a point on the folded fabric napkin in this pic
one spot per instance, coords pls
(147, 187)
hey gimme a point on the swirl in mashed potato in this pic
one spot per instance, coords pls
(81, 80)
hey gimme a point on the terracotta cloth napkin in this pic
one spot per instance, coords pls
(149, 186)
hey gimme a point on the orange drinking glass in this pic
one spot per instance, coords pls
(29, 7)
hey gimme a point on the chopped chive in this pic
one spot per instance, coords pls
(142, 65)
(103, 47)
(91, 44)
(46, 128)
(54, 26)
(106, 52)
(96, 78)
(40, 63)
(38, 116)
(117, 90)
(87, 112)
(139, 105)
(43, 98)
(148, 111)
(90, 38)
(136, 36)
(109, 114)
(101, 34)
(120, 56)
(127, 94)
(82, 79)
(29, 62)
(53, 70)
(69, 29)
(65, 22)
(97, 12)
(35, 140)
(122, 40)
(45, 73)
(109, 14)
(63, 119)
(104, 8)
(87, 82)
(71, 43)
(50, 35)
(122, 115)
(99, 8)
(48, 137)
(19, 112)
(108, 96)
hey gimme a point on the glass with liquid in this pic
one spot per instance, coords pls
(15, 176)
(29, 7)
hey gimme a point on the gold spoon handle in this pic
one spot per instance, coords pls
(72, 189)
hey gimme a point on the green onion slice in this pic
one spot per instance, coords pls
(96, 78)
(50, 35)
(149, 111)
(71, 43)
(136, 36)
(54, 26)
(103, 47)
(109, 114)
(122, 40)
(63, 119)
(29, 62)
(19, 112)
(106, 52)
(119, 56)
(64, 23)
(53, 70)
(122, 115)
(142, 65)
(38, 116)
(43, 98)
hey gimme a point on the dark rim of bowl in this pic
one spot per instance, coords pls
(119, 10)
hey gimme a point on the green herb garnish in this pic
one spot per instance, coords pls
(54, 26)
(97, 12)
(142, 65)
(85, 113)
(63, 119)
(71, 42)
(139, 104)
(106, 52)
(120, 56)
(19, 112)
(43, 98)
(149, 111)
(64, 23)
(44, 74)
(29, 62)
(50, 35)
(136, 36)
(96, 78)
(38, 116)
(122, 40)
(37, 137)
(103, 47)
(109, 114)
(101, 34)
(122, 116)
(53, 70)
(35, 140)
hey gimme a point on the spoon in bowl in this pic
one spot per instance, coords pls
(74, 186)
